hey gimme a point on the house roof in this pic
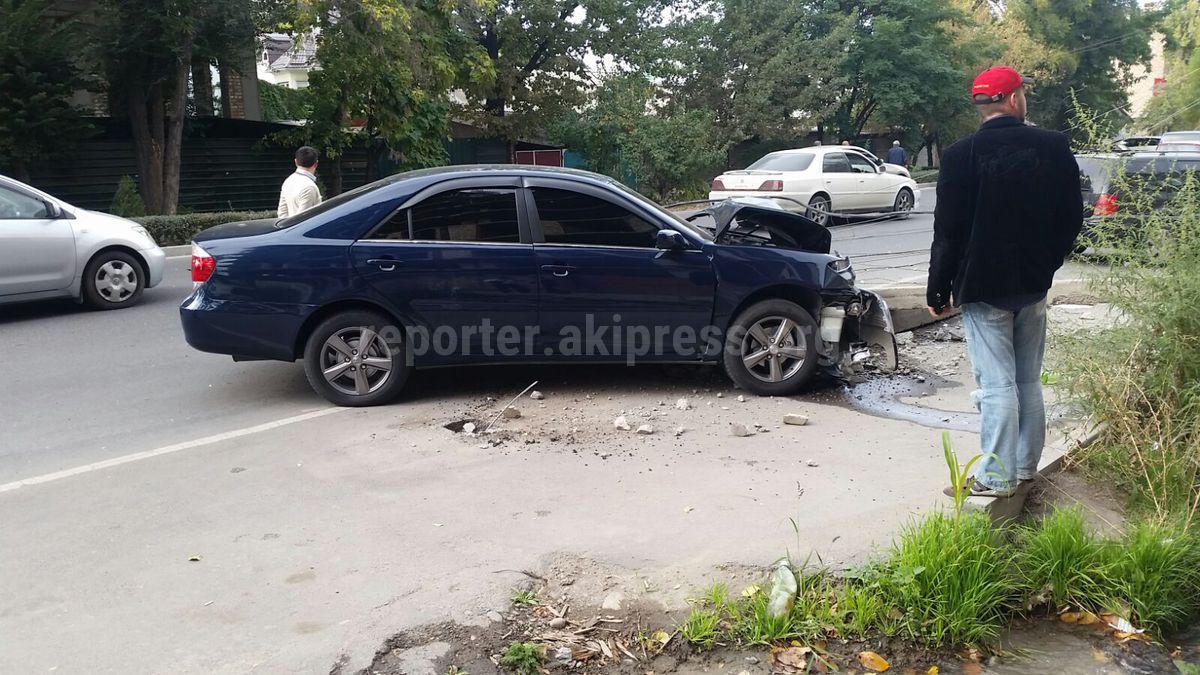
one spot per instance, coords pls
(282, 52)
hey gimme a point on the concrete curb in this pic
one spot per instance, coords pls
(907, 301)
(176, 251)
(926, 186)
(1003, 510)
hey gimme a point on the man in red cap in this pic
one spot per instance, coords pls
(1008, 212)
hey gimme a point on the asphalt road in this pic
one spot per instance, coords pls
(82, 387)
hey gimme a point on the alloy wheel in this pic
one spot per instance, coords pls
(356, 361)
(774, 349)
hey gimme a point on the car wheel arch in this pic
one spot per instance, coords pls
(806, 297)
(313, 320)
(143, 266)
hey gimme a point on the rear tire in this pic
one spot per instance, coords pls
(904, 203)
(818, 211)
(346, 375)
(112, 280)
(771, 348)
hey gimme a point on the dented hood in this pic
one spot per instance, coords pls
(749, 217)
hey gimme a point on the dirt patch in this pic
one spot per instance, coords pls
(1102, 505)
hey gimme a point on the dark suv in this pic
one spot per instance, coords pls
(1106, 180)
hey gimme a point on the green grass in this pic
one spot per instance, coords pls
(1063, 564)
(1157, 572)
(702, 627)
(951, 580)
(523, 657)
(525, 597)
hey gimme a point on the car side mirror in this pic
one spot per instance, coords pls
(669, 240)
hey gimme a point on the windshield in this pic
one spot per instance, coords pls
(1096, 172)
(332, 203)
(783, 161)
(658, 208)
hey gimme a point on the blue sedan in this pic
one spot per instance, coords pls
(508, 264)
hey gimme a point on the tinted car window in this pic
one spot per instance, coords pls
(859, 163)
(835, 162)
(476, 214)
(16, 205)
(1095, 172)
(779, 161)
(570, 217)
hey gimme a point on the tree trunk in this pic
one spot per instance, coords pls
(335, 177)
(177, 115)
(147, 146)
(202, 89)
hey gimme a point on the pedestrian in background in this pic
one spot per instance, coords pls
(1008, 212)
(897, 155)
(300, 192)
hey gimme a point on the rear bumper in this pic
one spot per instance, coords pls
(248, 330)
(792, 201)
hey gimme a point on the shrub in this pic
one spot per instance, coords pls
(1141, 378)
(179, 229)
(127, 201)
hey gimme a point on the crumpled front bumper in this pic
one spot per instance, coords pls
(856, 325)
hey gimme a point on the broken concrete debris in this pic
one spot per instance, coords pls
(622, 423)
(645, 430)
(612, 602)
(537, 396)
(494, 616)
(558, 623)
(812, 462)
(795, 419)
(679, 431)
(741, 398)
(683, 404)
(511, 413)
(741, 430)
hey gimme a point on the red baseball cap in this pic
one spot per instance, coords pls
(993, 84)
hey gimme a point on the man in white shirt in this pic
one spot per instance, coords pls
(300, 191)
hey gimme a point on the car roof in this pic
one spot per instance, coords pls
(818, 149)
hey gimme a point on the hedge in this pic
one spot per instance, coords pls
(177, 230)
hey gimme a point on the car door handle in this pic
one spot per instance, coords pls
(385, 264)
(558, 270)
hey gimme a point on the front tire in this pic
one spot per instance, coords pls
(112, 280)
(356, 358)
(771, 348)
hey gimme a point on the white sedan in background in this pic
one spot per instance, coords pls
(50, 249)
(820, 181)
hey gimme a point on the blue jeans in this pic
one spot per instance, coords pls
(1006, 350)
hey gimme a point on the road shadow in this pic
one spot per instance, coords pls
(41, 310)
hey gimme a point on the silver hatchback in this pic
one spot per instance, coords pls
(50, 249)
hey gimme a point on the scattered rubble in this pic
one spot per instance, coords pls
(741, 430)
(645, 430)
(683, 404)
(537, 395)
(612, 602)
(741, 398)
(622, 423)
(558, 623)
(795, 419)
(679, 431)
(511, 413)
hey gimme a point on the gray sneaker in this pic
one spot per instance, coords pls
(978, 489)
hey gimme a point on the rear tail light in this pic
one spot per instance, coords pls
(771, 186)
(203, 264)
(1106, 205)
(717, 184)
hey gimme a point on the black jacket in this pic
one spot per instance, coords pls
(1008, 211)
